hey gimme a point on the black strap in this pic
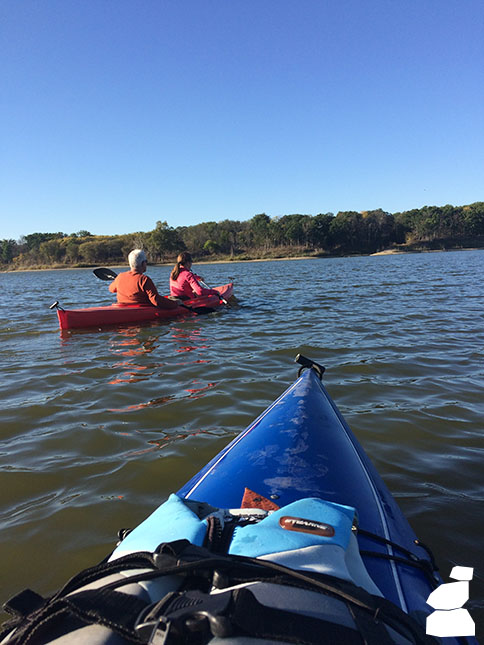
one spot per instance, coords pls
(194, 617)
(174, 619)
(259, 621)
(401, 548)
(119, 611)
(422, 565)
(139, 560)
(112, 609)
(200, 562)
(428, 567)
(372, 630)
(24, 603)
(28, 608)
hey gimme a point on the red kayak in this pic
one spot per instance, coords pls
(127, 314)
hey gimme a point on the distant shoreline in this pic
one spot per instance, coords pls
(235, 260)
(406, 252)
(117, 265)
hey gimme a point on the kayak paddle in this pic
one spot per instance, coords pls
(105, 274)
(207, 287)
(108, 275)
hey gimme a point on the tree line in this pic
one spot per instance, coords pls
(347, 232)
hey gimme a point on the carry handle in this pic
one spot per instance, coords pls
(307, 363)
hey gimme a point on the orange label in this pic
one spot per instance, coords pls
(253, 500)
(302, 525)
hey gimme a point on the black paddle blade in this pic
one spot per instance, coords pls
(199, 310)
(203, 310)
(105, 274)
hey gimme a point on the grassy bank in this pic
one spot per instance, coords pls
(270, 255)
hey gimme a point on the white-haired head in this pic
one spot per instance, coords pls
(136, 259)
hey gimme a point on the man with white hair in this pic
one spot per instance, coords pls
(135, 288)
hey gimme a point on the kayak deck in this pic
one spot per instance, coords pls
(302, 447)
(130, 314)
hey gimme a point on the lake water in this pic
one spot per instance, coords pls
(98, 427)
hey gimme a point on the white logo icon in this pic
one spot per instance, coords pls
(450, 619)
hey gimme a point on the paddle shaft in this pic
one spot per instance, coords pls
(207, 287)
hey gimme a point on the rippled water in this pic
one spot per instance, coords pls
(97, 427)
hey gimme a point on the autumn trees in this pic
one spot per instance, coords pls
(347, 232)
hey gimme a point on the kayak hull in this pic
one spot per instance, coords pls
(302, 447)
(131, 314)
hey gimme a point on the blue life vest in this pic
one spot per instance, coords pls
(310, 534)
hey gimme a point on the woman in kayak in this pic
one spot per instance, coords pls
(134, 288)
(184, 284)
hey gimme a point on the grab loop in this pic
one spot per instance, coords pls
(307, 363)
(56, 305)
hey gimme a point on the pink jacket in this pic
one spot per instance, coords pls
(186, 286)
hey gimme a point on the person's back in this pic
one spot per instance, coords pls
(135, 288)
(184, 283)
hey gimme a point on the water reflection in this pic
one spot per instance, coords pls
(188, 340)
(196, 392)
(164, 442)
(130, 374)
(193, 393)
(139, 406)
(131, 343)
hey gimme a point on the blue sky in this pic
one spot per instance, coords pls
(115, 114)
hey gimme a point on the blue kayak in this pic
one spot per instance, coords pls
(288, 535)
(301, 446)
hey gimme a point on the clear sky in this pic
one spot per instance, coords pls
(117, 113)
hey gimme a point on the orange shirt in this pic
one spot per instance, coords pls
(138, 289)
